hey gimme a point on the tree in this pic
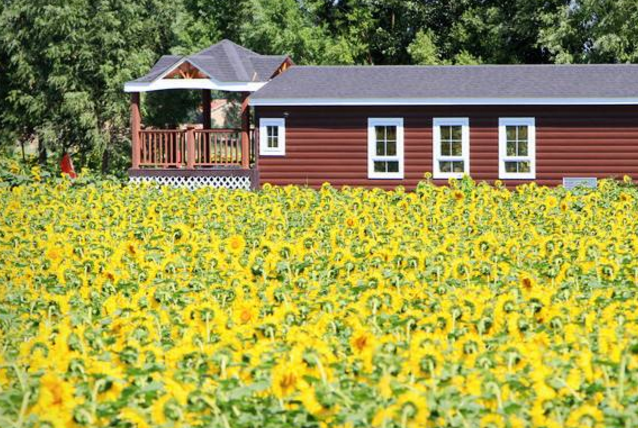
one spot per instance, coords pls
(67, 61)
(290, 27)
(377, 31)
(592, 31)
(170, 108)
(423, 50)
(205, 22)
(496, 31)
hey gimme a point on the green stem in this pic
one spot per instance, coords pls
(25, 396)
(497, 391)
(621, 377)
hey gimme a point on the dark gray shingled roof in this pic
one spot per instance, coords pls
(160, 67)
(479, 81)
(224, 62)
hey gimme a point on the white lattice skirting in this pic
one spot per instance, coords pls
(193, 182)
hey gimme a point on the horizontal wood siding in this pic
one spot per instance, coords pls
(329, 144)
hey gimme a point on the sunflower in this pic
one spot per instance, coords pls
(527, 282)
(236, 244)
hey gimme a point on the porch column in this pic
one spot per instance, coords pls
(206, 108)
(136, 126)
(190, 147)
(245, 131)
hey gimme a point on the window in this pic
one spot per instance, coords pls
(451, 147)
(272, 137)
(517, 148)
(385, 148)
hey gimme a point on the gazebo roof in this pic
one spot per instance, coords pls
(222, 66)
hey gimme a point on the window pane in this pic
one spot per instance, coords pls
(272, 131)
(391, 133)
(273, 142)
(451, 166)
(523, 167)
(518, 167)
(391, 148)
(522, 133)
(445, 133)
(380, 132)
(457, 133)
(380, 166)
(511, 148)
(510, 131)
(393, 166)
(446, 148)
(380, 148)
(511, 167)
(522, 148)
(457, 149)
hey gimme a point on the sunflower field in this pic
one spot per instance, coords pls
(458, 306)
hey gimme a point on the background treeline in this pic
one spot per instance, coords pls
(63, 63)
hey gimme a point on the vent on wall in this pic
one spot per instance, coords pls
(572, 182)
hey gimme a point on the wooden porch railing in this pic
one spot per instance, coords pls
(217, 147)
(163, 148)
(195, 148)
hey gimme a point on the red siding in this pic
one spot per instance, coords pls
(329, 144)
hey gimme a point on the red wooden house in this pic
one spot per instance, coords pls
(389, 125)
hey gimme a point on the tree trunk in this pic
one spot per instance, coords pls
(24, 156)
(107, 129)
(106, 159)
(42, 152)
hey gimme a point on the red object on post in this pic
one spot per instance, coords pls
(67, 166)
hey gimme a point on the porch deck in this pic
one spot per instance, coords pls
(195, 157)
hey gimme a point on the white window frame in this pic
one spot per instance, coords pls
(264, 150)
(372, 148)
(530, 122)
(437, 123)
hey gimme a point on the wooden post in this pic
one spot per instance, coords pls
(245, 131)
(205, 144)
(206, 108)
(136, 126)
(190, 148)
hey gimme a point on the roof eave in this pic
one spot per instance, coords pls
(264, 101)
(167, 84)
(159, 83)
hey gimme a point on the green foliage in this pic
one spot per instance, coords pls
(282, 27)
(499, 32)
(466, 58)
(67, 62)
(167, 109)
(202, 23)
(423, 50)
(592, 31)
(16, 172)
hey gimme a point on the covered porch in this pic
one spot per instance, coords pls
(192, 147)
(201, 155)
